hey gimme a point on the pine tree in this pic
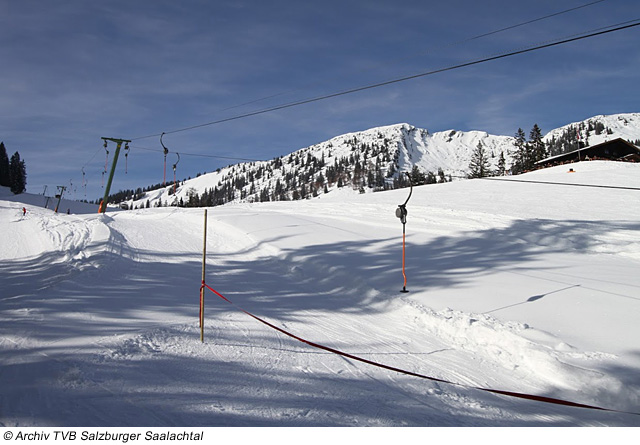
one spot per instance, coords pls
(417, 177)
(479, 165)
(501, 164)
(521, 154)
(18, 173)
(538, 149)
(5, 173)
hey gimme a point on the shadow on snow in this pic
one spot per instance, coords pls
(125, 291)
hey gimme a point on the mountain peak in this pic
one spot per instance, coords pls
(371, 160)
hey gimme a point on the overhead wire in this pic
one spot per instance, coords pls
(459, 42)
(588, 34)
(584, 35)
(232, 158)
(428, 51)
(508, 28)
(92, 157)
(477, 37)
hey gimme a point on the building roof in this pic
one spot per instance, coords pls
(614, 149)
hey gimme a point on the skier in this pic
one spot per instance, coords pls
(24, 211)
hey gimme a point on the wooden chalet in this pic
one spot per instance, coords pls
(614, 150)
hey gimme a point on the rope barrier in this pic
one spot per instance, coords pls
(513, 394)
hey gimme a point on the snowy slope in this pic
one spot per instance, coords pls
(357, 158)
(48, 202)
(387, 151)
(515, 286)
(450, 150)
(625, 126)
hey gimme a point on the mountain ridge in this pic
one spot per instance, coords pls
(370, 160)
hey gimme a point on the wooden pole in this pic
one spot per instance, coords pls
(204, 262)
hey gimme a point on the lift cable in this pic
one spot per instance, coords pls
(598, 32)
(460, 42)
(428, 51)
(431, 50)
(232, 158)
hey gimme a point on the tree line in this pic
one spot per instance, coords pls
(372, 165)
(13, 172)
(527, 152)
(305, 174)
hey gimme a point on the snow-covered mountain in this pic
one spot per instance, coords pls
(371, 160)
(593, 131)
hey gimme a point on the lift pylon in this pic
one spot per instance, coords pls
(103, 204)
(166, 152)
(61, 189)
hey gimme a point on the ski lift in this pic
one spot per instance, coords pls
(174, 173)
(126, 156)
(84, 183)
(166, 152)
(106, 160)
(401, 213)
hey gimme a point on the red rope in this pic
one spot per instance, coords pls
(422, 376)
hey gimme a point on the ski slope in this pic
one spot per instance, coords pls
(514, 286)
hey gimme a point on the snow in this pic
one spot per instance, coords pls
(449, 151)
(515, 286)
(391, 149)
(623, 125)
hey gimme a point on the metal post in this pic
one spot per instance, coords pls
(401, 212)
(62, 188)
(103, 205)
(204, 263)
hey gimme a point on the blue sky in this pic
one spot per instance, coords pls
(74, 71)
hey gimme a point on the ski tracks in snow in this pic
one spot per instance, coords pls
(408, 339)
(248, 374)
(472, 350)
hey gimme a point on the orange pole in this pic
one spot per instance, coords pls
(404, 288)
